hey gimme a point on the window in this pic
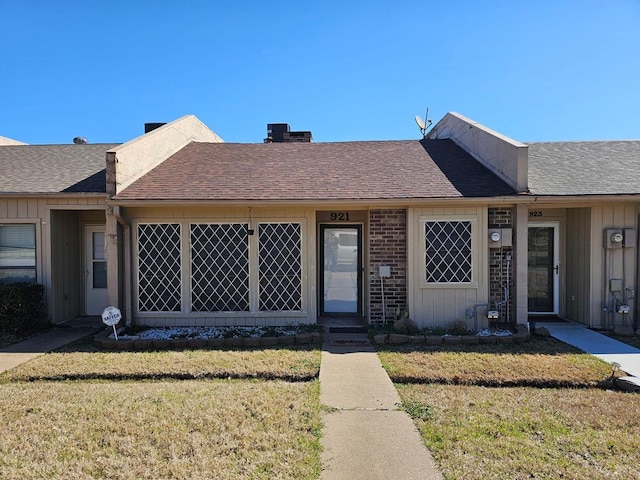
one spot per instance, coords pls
(280, 266)
(18, 253)
(448, 252)
(159, 267)
(219, 268)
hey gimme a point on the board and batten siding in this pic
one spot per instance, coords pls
(58, 245)
(188, 214)
(440, 305)
(621, 262)
(578, 265)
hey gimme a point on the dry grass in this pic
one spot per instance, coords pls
(123, 415)
(224, 429)
(519, 430)
(83, 361)
(523, 433)
(541, 362)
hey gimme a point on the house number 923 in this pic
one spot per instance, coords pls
(339, 216)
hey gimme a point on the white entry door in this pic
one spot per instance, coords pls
(95, 270)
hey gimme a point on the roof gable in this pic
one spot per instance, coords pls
(375, 170)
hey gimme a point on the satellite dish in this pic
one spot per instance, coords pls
(80, 141)
(425, 124)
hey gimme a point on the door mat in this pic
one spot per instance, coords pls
(347, 330)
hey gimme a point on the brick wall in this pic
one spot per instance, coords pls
(387, 246)
(501, 218)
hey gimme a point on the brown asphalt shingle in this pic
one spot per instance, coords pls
(317, 171)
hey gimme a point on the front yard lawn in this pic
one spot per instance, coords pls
(536, 410)
(125, 415)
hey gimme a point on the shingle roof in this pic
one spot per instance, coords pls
(584, 168)
(53, 168)
(317, 171)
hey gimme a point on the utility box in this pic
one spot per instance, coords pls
(615, 285)
(613, 238)
(630, 235)
(500, 237)
(385, 271)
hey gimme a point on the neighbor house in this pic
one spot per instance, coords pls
(464, 224)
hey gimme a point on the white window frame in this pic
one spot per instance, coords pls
(473, 220)
(36, 236)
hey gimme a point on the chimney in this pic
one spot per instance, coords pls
(280, 133)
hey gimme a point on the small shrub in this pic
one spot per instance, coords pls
(458, 327)
(22, 308)
(405, 325)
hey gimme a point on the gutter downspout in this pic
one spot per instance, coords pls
(126, 228)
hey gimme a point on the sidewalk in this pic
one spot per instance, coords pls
(366, 436)
(56, 337)
(596, 344)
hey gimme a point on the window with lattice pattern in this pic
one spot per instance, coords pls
(448, 251)
(280, 266)
(219, 268)
(159, 272)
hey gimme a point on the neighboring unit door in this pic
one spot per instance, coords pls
(95, 270)
(543, 268)
(340, 277)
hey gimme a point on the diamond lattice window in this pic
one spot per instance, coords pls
(159, 277)
(219, 268)
(280, 266)
(448, 252)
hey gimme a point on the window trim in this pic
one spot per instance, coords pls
(254, 311)
(37, 244)
(473, 220)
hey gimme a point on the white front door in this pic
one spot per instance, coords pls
(544, 268)
(95, 270)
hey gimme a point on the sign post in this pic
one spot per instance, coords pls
(110, 317)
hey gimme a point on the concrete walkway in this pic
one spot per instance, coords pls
(596, 344)
(366, 436)
(52, 339)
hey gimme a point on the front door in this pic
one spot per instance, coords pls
(95, 270)
(543, 268)
(340, 278)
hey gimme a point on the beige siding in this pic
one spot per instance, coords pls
(58, 245)
(442, 304)
(186, 215)
(578, 265)
(614, 263)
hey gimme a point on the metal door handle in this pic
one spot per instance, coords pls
(556, 268)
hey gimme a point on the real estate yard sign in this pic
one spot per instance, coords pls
(111, 316)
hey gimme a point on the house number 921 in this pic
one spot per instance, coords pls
(339, 216)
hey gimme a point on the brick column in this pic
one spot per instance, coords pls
(501, 218)
(387, 246)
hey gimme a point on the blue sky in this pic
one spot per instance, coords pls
(346, 70)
